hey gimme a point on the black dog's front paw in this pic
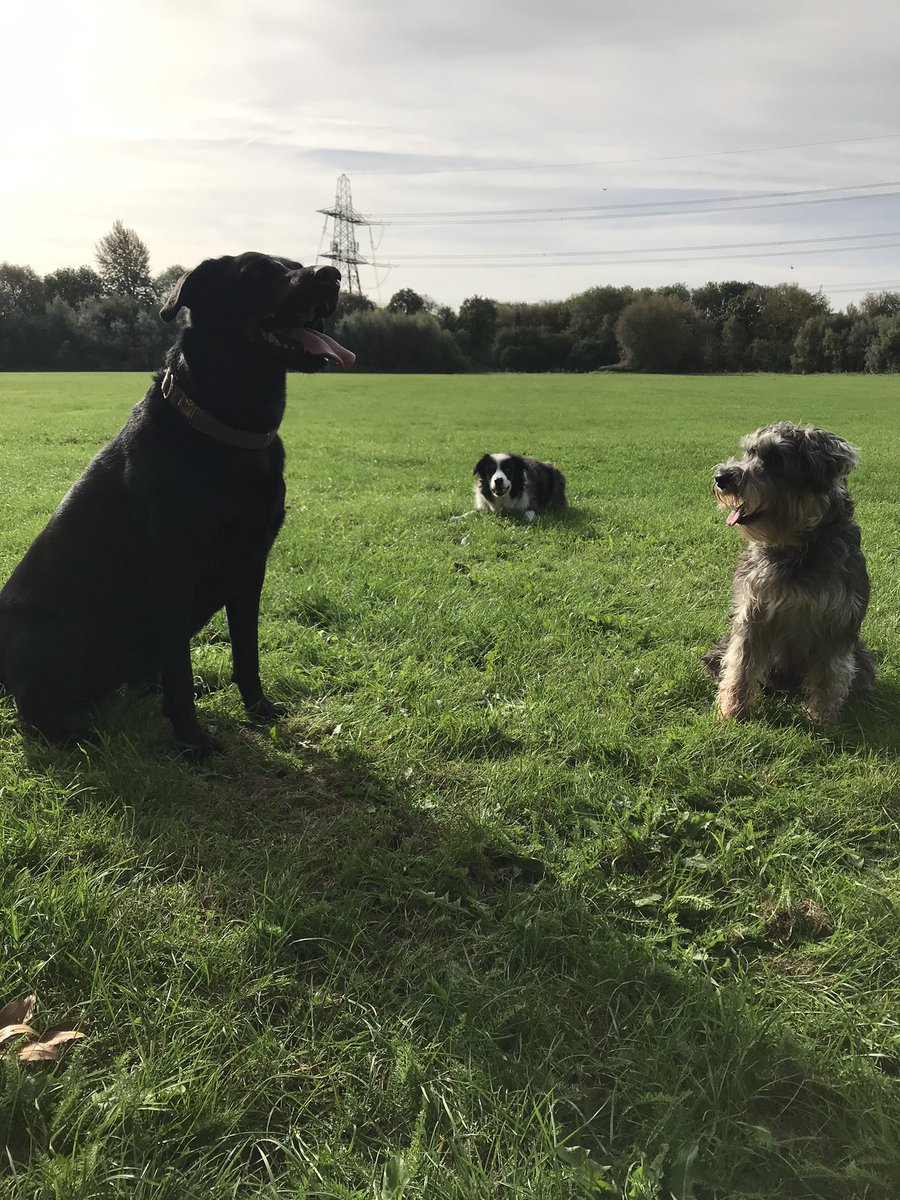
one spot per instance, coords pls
(264, 710)
(198, 745)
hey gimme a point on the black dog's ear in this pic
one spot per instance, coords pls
(828, 457)
(192, 289)
(483, 463)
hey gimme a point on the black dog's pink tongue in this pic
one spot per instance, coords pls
(735, 515)
(326, 347)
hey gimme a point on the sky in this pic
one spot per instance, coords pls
(518, 149)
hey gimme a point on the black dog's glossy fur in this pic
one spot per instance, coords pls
(169, 523)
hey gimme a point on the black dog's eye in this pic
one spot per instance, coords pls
(257, 271)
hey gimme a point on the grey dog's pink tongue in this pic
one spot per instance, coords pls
(326, 347)
(735, 515)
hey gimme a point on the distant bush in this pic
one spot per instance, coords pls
(393, 341)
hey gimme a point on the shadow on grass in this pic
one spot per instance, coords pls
(870, 722)
(581, 519)
(466, 986)
(575, 517)
(867, 722)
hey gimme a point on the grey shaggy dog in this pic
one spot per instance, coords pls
(801, 588)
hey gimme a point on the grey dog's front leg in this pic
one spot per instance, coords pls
(744, 666)
(827, 684)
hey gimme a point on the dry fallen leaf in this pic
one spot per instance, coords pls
(38, 1053)
(17, 1012)
(45, 1048)
(8, 1032)
(42, 1047)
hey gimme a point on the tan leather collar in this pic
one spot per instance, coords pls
(206, 423)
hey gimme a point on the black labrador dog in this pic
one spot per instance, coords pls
(175, 518)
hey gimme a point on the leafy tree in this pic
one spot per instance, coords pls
(551, 315)
(880, 304)
(590, 354)
(661, 333)
(406, 301)
(592, 326)
(883, 350)
(446, 317)
(351, 302)
(35, 341)
(124, 263)
(119, 333)
(79, 318)
(532, 349)
(782, 312)
(808, 354)
(392, 341)
(679, 290)
(21, 291)
(73, 285)
(478, 319)
(821, 344)
(860, 333)
(590, 310)
(719, 301)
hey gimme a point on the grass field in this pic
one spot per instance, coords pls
(499, 911)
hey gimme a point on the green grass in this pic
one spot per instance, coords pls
(500, 911)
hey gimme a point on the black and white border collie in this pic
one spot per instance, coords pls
(512, 483)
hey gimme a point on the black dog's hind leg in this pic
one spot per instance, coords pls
(242, 611)
(49, 715)
(46, 671)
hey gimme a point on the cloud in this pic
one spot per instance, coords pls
(220, 125)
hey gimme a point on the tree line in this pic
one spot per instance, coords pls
(106, 318)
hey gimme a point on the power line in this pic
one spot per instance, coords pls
(611, 162)
(649, 208)
(859, 287)
(626, 216)
(393, 218)
(646, 261)
(849, 237)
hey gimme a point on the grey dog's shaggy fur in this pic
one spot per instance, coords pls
(801, 588)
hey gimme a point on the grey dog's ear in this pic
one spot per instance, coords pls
(192, 289)
(828, 456)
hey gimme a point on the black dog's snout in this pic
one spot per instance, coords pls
(314, 291)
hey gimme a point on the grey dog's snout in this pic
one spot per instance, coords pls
(725, 479)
